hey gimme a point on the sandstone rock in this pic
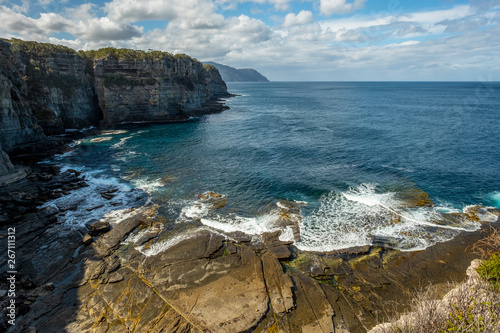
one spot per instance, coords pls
(112, 239)
(99, 228)
(281, 252)
(314, 312)
(215, 200)
(279, 285)
(87, 239)
(202, 305)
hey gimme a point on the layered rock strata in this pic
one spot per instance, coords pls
(142, 277)
(46, 89)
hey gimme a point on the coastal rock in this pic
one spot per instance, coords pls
(216, 85)
(18, 125)
(152, 89)
(87, 239)
(214, 200)
(6, 166)
(279, 285)
(99, 228)
(47, 89)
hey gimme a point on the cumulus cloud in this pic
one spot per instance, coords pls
(102, 29)
(21, 24)
(191, 13)
(278, 4)
(460, 39)
(330, 7)
(303, 17)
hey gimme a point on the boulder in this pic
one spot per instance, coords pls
(99, 228)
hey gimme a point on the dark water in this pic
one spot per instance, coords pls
(347, 149)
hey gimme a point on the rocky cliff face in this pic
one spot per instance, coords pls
(18, 125)
(168, 88)
(6, 166)
(216, 85)
(61, 90)
(46, 89)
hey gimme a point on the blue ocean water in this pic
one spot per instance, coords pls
(347, 149)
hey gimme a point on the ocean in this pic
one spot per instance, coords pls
(349, 153)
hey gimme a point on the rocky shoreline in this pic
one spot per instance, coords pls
(133, 276)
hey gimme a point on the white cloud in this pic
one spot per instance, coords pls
(103, 29)
(279, 5)
(192, 13)
(303, 17)
(21, 24)
(330, 7)
(358, 47)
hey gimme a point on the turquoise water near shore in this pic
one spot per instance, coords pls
(350, 150)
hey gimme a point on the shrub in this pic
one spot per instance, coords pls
(490, 271)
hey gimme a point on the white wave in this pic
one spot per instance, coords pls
(162, 246)
(483, 213)
(113, 132)
(287, 235)
(86, 205)
(361, 215)
(146, 185)
(231, 222)
(496, 198)
(195, 210)
(249, 225)
(122, 142)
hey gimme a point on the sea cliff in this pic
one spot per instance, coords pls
(47, 89)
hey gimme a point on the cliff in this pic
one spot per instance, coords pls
(216, 84)
(46, 89)
(152, 86)
(60, 86)
(18, 125)
(231, 74)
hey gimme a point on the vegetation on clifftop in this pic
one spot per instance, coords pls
(35, 49)
(209, 67)
(129, 54)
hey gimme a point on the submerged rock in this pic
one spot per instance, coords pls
(214, 200)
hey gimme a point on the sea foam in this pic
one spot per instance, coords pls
(362, 216)
(86, 205)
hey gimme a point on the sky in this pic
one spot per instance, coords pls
(285, 40)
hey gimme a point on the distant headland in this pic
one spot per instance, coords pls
(231, 74)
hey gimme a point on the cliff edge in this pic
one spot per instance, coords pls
(46, 89)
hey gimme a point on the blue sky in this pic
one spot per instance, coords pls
(286, 40)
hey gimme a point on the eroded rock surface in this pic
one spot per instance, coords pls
(137, 278)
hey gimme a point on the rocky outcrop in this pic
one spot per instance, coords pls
(151, 90)
(46, 89)
(61, 92)
(216, 85)
(142, 277)
(6, 166)
(18, 125)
